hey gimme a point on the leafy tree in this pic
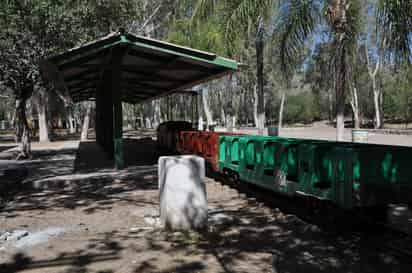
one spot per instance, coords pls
(398, 101)
(319, 74)
(18, 56)
(238, 17)
(343, 19)
(394, 23)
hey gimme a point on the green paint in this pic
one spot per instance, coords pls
(118, 153)
(328, 170)
(100, 50)
(73, 55)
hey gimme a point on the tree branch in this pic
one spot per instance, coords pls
(150, 17)
(373, 73)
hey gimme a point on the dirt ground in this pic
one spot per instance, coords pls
(84, 216)
(323, 131)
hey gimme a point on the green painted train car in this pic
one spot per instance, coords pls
(347, 174)
(269, 162)
(229, 154)
(373, 175)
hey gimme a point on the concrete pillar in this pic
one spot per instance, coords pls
(107, 115)
(117, 110)
(183, 201)
(98, 124)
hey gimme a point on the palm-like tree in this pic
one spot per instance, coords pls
(342, 17)
(239, 17)
(394, 18)
(298, 19)
(394, 23)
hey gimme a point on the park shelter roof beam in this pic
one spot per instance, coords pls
(150, 67)
(122, 67)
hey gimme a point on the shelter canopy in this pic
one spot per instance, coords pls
(148, 68)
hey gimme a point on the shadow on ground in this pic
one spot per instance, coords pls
(70, 178)
(137, 152)
(5, 148)
(257, 239)
(253, 243)
(99, 250)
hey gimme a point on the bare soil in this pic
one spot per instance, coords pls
(101, 215)
(325, 132)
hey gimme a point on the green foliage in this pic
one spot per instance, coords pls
(296, 22)
(398, 98)
(301, 108)
(394, 19)
(32, 29)
(238, 19)
(205, 36)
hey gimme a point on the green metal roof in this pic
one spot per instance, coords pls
(149, 69)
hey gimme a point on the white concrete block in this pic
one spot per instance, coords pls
(183, 201)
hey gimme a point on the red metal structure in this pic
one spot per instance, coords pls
(202, 143)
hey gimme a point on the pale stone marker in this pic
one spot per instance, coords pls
(183, 202)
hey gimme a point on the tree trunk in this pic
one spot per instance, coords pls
(10, 118)
(22, 129)
(223, 116)
(376, 100)
(340, 86)
(259, 76)
(255, 105)
(18, 127)
(86, 122)
(148, 123)
(282, 103)
(206, 109)
(330, 102)
(229, 122)
(43, 128)
(337, 13)
(376, 104)
(42, 115)
(199, 107)
(381, 116)
(71, 121)
(375, 89)
(157, 113)
(355, 106)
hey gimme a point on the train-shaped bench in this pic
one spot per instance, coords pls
(348, 175)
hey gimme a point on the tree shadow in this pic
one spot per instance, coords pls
(102, 249)
(5, 148)
(275, 241)
(136, 152)
(6, 136)
(82, 178)
(76, 262)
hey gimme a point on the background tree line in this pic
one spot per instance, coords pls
(302, 60)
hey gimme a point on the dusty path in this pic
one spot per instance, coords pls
(324, 132)
(91, 218)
